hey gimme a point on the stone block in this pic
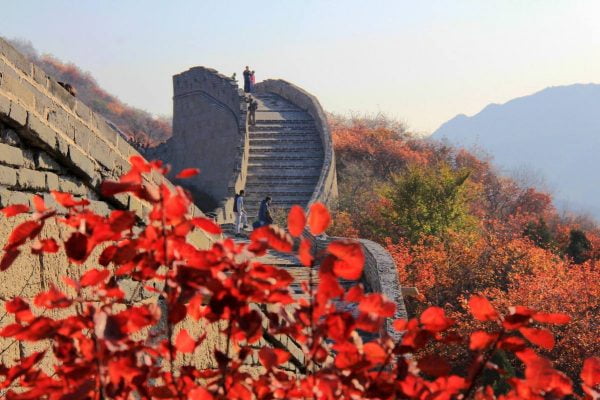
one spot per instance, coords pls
(82, 161)
(18, 114)
(59, 118)
(4, 106)
(99, 207)
(70, 185)
(39, 76)
(52, 203)
(61, 94)
(14, 57)
(52, 181)
(43, 104)
(13, 85)
(105, 130)
(44, 161)
(29, 158)
(41, 131)
(10, 137)
(31, 179)
(10, 155)
(8, 197)
(102, 153)
(8, 176)
(83, 111)
(82, 135)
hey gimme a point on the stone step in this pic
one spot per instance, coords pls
(289, 179)
(275, 140)
(307, 138)
(290, 169)
(286, 149)
(258, 191)
(293, 156)
(278, 164)
(260, 184)
(282, 128)
(284, 122)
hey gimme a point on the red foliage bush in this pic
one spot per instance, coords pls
(109, 347)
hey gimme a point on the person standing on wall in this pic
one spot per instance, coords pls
(247, 74)
(252, 82)
(252, 107)
(240, 212)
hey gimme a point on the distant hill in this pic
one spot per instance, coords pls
(138, 126)
(555, 131)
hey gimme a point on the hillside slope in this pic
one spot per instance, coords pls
(555, 131)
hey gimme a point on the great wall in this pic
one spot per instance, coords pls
(49, 140)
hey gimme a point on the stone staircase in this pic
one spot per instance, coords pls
(286, 155)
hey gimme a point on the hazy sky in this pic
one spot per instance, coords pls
(420, 61)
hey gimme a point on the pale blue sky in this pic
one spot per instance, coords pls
(420, 61)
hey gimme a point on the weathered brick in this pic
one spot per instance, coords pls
(41, 131)
(14, 57)
(59, 118)
(22, 91)
(82, 161)
(40, 76)
(99, 207)
(105, 130)
(43, 104)
(8, 176)
(45, 162)
(70, 185)
(29, 158)
(63, 145)
(83, 111)
(31, 179)
(101, 152)
(52, 181)
(18, 114)
(82, 135)
(11, 155)
(52, 203)
(8, 197)
(4, 106)
(61, 93)
(10, 137)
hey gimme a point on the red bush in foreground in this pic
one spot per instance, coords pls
(104, 347)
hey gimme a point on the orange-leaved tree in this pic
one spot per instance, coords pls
(104, 346)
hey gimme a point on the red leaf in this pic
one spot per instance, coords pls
(318, 218)
(541, 337)
(355, 294)
(552, 318)
(8, 258)
(206, 225)
(434, 365)
(296, 221)
(121, 220)
(187, 173)
(24, 231)
(44, 246)
(590, 374)
(53, 298)
(350, 259)
(434, 319)
(275, 237)
(184, 342)
(270, 357)
(480, 340)
(199, 393)
(93, 277)
(66, 199)
(39, 204)
(110, 188)
(20, 308)
(375, 353)
(376, 304)
(15, 209)
(482, 309)
(140, 164)
(304, 253)
(76, 247)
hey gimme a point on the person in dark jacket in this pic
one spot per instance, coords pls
(264, 212)
(247, 74)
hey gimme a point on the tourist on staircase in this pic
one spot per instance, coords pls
(252, 107)
(247, 79)
(240, 212)
(252, 82)
(264, 212)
